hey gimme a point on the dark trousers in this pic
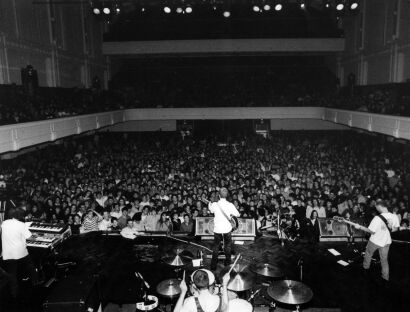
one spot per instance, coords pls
(15, 268)
(226, 238)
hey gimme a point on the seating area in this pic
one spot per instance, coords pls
(228, 89)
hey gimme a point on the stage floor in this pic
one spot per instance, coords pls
(109, 263)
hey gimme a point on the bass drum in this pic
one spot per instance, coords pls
(239, 305)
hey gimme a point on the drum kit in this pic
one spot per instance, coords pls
(242, 281)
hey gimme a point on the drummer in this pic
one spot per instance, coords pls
(202, 300)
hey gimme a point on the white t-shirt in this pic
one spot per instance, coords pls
(104, 225)
(208, 302)
(13, 238)
(381, 236)
(221, 223)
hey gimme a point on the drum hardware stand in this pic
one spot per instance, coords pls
(300, 265)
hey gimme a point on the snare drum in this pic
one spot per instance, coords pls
(239, 305)
(216, 290)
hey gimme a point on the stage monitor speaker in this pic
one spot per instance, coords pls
(279, 309)
(73, 294)
(245, 231)
(332, 231)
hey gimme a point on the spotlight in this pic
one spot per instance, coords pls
(267, 7)
(179, 10)
(167, 9)
(354, 5)
(117, 9)
(96, 11)
(327, 5)
(142, 9)
(255, 8)
(226, 14)
(106, 10)
(278, 7)
(340, 5)
(188, 9)
(302, 4)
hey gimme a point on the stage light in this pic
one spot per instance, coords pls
(278, 7)
(327, 4)
(142, 9)
(302, 4)
(226, 14)
(340, 5)
(167, 9)
(267, 7)
(188, 9)
(255, 8)
(96, 11)
(117, 9)
(179, 10)
(354, 5)
(106, 10)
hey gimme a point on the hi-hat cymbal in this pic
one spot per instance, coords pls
(169, 288)
(241, 278)
(266, 269)
(290, 292)
(176, 260)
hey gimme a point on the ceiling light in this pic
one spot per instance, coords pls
(278, 7)
(354, 5)
(340, 5)
(167, 9)
(106, 10)
(179, 10)
(266, 7)
(188, 9)
(226, 14)
(255, 8)
(96, 11)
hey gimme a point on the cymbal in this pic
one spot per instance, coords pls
(241, 278)
(169, 288)
(290, 292)
(266, 269)
(176, 260)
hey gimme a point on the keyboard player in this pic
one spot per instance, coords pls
(14, 233)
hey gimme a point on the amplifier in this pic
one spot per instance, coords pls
(205, 228)
(333, 230)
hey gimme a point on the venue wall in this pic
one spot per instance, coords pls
(377, 43)
(62, 41)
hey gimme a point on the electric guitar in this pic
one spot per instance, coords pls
(365, 229)
(232, 219)
(356, 225)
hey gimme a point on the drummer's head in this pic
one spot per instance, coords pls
(223, 192)
(201, 279)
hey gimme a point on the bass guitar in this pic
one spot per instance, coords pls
(232, 219)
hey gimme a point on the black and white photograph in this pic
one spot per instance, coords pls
(204, 155)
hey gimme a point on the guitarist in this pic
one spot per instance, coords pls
(380, 239)
(222, 210)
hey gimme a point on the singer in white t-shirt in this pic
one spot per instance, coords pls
(222, 210)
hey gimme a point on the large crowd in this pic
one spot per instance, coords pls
(155, 182)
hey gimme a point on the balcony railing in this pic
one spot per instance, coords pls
(18, 136)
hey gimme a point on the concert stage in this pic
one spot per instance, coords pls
(105, 267)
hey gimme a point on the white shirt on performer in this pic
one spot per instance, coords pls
(208, 302)
(221, 223)
(381, 236)
(13, 239)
